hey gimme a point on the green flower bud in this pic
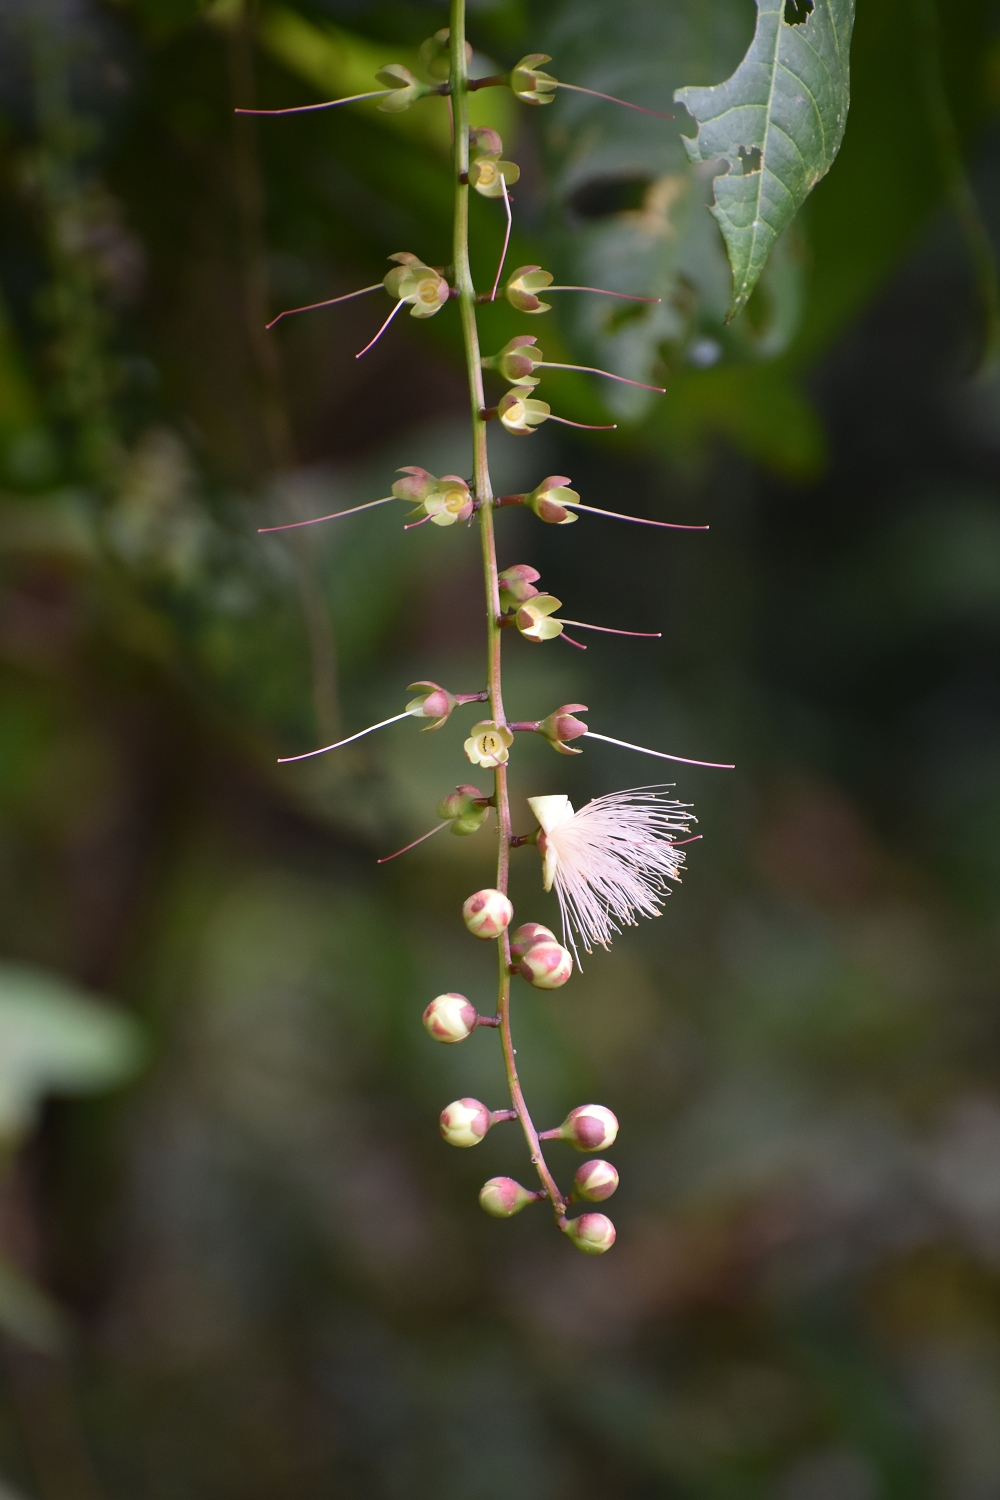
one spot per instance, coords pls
(546, 500)
(560, 726)
(487, 174)
(595, 1181)
(434, 702)
(534, 619)
(521, 414)
(522, 285)
(406, 89)
(485, 141)
(528, 81)
(466, 807)
(487, 913)
(465, 1122)
(451, 1018)
(502, 1197)
(527, 935)
(435, 56)
(591, 1233)
(547, 965)
(449, 501)
(488, 745)
(517, 360)
(589, 1127)
(421, 286)
(517, 586)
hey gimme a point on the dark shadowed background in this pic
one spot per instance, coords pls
(236, 1260)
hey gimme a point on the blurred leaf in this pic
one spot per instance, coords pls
(55, 1039)
(780, 119)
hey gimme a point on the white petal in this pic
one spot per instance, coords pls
(551, 812)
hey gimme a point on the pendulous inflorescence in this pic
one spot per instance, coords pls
(612, 861)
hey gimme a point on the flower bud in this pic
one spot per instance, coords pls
(517, 360)
(465, 1122)
(416, 486)
(529, 83)
(560, 726)
(421, 286)
(449, 501)
(466, 807)
(517, 585)
(485, 141)
(503, 1197)
(451, 1018)
(488, 174)
(523, 284)
(595, 1181)
(487, 913)
(546, 500)
(521, 414)
(589, 1127)
(534, 619)
(527, 936)
(591, 1233)
(406, 89)
(547, 965)
(435, 56)
(433, 702)
(488, 744)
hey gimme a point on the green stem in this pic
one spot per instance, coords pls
(484, 495)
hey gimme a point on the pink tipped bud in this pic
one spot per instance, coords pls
(517, 360)
(595, 1181)
(527, 936)
(485, 141)
(547, 498)
(416, 486)
(465, 1122)
(561, 726)
(487, 913)
(433, 702)
(591, 1233)
(503, 1197)
(517, 585)
(451, 1018)
(589, 1127)
(547, 965)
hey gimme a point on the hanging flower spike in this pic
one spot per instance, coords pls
(610, 861)
(521, 414)
(516, 361)
(434, 702)
(467, 808)
(549, 500)
(522, 285)
(404, 88)
(421, 286)
(488, 745)
(488, 174)
(517, 586)
(561, 726)
(435, 57)
(534, 619)
(449, 501)
(529, 83)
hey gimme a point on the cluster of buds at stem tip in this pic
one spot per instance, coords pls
(539, 957)
(487, 913)
(487, 173)
(441, 501)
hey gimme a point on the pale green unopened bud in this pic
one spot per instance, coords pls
(435, 56)
(465, 1122)
(546, 965)
(595, 1181)
(589, 1127)
(485, 141)
(517, 585)
(406, 89)
(591, 1233)
(521, 414)
(547, 498)
(522, 287)
(487, 913)
(450, 1018)
(529, 83)
(534, 619)
(526, 936)
(503, 1197)
(466, 807)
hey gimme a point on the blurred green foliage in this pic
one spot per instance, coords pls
(257, 1269)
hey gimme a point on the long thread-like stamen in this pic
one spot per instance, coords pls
(506, 238)
(649, 635)
(303, 109)
(562, 636)
(712, 765)
(381, 331)
(595, 94)
(586, 426)
(407, 847)
(283, 760)
(616, 515)
(334, 515)
(546, 364)
(290, 312)
(601, 292)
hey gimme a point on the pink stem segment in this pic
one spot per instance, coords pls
(616, 515)
(330, 302)
(601, 292)
(283, 760)
(586, 426)
(712, 765)
(612, 100)
(407, 847)
(315, 520)
(506, 240)
(302, 109)
(381, 331)
(545, 364)
(648, 635)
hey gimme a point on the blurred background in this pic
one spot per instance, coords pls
(236, 1259)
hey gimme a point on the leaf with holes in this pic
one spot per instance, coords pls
(778, 122)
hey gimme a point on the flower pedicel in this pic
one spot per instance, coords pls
(613, 860)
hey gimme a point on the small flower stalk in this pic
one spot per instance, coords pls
(613, 860)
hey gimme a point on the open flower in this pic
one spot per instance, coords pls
(406, 89)
(522, 285)
(549, 499)
(534, 619)
(517, 360)
(421, 286)
(610, 861)
(529, 83)
(488, 744)
(450, 500)
(488, 174)
(520, 413)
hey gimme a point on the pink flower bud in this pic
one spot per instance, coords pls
(529, 83)
(517, 585)
(591, 1233)
(527, 936)
(546, 965)
(546, 500)
(561, 726)
(589, 1127)
(451, 1018)
(595, 1181)
(433, 702)
(465, 1122)
(487, 913)
(485, 141)
(416, 485)
(503, 1197)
